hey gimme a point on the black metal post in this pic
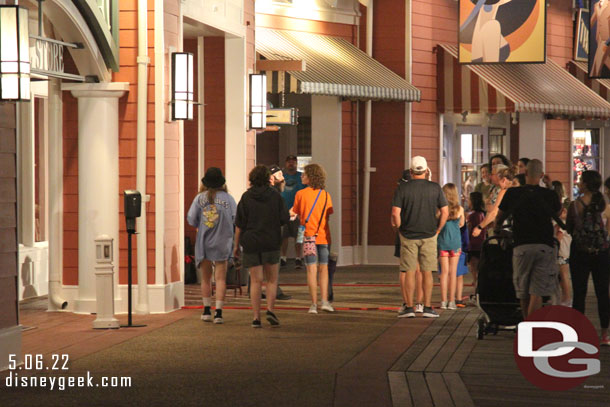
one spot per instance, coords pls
(129, 278)
(130, 232)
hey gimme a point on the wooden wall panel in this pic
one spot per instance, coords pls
(8, 217)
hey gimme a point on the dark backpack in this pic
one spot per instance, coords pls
(590, 235)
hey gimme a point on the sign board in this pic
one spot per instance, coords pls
(283, 116)
(581, 39)
(47, 58)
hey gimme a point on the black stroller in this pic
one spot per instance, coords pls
(495, 293)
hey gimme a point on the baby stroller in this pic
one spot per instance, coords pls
(495, 293)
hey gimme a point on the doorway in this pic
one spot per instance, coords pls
(473, 147)
(471, 152)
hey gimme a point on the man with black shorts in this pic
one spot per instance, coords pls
(292, 184)
(534, 256)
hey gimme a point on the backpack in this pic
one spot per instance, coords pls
(590, 236)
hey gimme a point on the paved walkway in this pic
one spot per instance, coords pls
(360, 356)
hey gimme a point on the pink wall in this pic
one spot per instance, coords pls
(560, 48)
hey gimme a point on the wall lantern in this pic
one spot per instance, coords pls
(14, 54)
(258, 101)
(182, 86)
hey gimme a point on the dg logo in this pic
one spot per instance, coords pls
(557, 348)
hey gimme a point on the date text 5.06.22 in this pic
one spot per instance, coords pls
(37, 362)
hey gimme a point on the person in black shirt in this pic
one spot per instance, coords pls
(260, 214)
(534, 256)
(414, 209)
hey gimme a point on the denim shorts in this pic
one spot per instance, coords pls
(321, 258)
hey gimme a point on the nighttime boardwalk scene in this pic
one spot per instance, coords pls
(304, 202)
(361, 355)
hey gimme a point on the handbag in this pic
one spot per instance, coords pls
(301, 231)
(309, 243)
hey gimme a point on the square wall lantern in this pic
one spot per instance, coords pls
(258, 101)
(182, 86)
(14, 54)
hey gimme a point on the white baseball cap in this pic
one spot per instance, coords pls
(419, 164)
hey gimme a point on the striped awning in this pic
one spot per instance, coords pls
(581, 71)
(334, 67)
(534, 88)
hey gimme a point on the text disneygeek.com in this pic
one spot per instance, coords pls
(58, 362)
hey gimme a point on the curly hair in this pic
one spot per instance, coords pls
(316, 175)
(259, 176)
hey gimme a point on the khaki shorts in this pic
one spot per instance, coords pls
(418, 250)
(535, 270)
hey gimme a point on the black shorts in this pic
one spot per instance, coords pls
(473, 253)
(291, 228)
(397, 246)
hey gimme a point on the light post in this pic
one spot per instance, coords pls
(14, 54)
(182, 86)
(258, 101)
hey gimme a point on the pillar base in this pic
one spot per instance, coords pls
(111, 323)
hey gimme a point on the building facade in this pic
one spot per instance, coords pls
(380, 84)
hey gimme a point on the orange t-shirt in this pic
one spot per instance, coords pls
(303, 201)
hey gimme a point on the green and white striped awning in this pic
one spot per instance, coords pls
(334, 67)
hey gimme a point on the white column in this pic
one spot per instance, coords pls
(235, 116)
(326, 151)
(532, 135)
(98, 177)
(26, 185)
(201, 108)
(56, 195)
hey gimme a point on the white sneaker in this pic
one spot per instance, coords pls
(313, 309)
(327, 307)
(451, 305)
(443, 304)
(419, 308)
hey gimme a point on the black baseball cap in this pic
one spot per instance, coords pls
(274, 168)
(291, 157)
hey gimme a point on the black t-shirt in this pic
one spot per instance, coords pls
(531, 220)
(418, 201)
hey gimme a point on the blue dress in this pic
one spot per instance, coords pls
(214, 223)
(450, 237)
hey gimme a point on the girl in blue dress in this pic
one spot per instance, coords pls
(450, 247)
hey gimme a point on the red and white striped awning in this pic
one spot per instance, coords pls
(533, 88)
(581, 71)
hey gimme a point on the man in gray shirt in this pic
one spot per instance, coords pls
(414, 210)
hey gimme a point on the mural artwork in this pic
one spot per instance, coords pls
(599, 39)
(502, 31)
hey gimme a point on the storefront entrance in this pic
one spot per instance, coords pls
(466, 149)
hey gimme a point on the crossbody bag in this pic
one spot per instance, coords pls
(309, 242)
